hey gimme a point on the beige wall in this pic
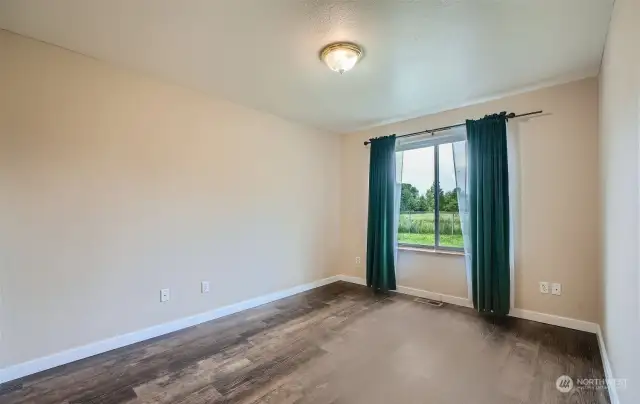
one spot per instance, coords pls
(619, 144)
(558, 228)
(113, 186)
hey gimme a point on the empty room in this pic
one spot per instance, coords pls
(320, 201)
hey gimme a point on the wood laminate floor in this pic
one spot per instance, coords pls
(337, 344)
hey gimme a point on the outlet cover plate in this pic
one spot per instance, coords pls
(205, 287)
(544, 287)
(556, 289)
(165, 295)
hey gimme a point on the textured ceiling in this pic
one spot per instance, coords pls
(421, 56)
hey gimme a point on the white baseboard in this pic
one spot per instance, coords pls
(555, 320)
(461, 301)
(405, 290)
(608, 372)
(438, 297)
(71, 355)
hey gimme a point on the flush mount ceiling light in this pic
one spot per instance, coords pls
(341, 56)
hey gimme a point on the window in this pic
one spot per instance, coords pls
(427, 170)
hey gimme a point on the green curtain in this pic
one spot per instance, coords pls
(381, 271)
(489, 213)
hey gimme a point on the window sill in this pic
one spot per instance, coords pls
(430, 250)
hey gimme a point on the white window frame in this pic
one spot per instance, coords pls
(421, 142)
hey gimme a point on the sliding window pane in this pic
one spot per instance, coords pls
(450, 229)
(417, 206)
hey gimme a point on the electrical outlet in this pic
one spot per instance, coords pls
(556, 289)
(205, 287)
(358, 261)
(164, 295)
(544, 287)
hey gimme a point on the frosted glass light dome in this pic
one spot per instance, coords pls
(341, 57)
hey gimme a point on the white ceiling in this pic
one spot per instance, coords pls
(421, 56)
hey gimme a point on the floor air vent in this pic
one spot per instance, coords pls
(429, 302)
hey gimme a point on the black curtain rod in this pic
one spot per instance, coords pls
(432, 131)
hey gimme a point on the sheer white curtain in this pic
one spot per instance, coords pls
(398, 193)
(462, 186)
(513, 161)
